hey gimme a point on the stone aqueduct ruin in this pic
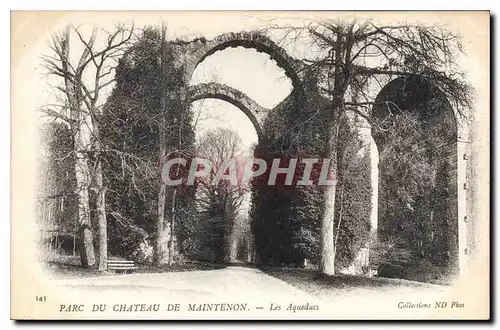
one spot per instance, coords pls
(189, 54)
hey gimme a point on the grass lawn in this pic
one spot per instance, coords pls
(68, 267)
(313, 282)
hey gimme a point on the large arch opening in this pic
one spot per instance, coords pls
(210, 113)
(240, 68)
(248, 41)
(223, 211)
(417, 199)
(227, 69)
(254, 112)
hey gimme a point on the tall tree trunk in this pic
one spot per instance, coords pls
(171, 240)
(327, 239)
(250, 250)
(232, 243)
(162, 191)
(327, 265)
(81, 144)
(80, 128)
(160, 220)
(339, 222)
(172, 247)
(340, 79)
(101, 217)
(100, 190)
(233, 247)
(82, 174)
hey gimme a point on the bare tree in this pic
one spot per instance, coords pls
(83, 85)
(221, 201)
(165, 247)
(160, 220)
(356, 57)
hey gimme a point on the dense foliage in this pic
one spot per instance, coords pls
(132, 116)
(218, 203)
(352, 219)
(418, 174)
(56, 202)
(286, 219)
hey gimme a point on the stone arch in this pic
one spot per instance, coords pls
(407, 93)
(250, 108)
(438, 217)
(200, 49)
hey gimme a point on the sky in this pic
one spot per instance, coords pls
(250, 72)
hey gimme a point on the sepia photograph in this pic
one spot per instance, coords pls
(211, 165)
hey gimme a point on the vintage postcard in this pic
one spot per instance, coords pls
(250, 165)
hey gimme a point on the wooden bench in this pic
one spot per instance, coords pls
(126, 266)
